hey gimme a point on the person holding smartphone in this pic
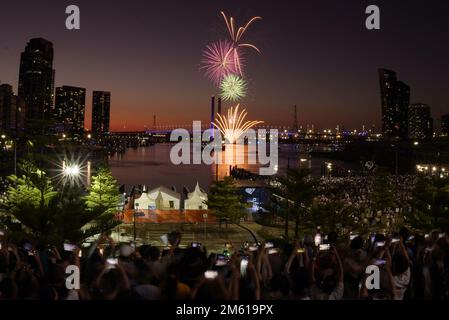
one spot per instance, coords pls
(263, 265)
(297, 269)
(331, 286)
(401, 270)
(382, 259)
(112, 282)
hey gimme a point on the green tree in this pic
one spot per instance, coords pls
(297, 189)
(225, 201)
(102, 201)
(32, 189)
(103, 193)
(30, 199)
(382, 196)
(382, 203)
(430, 204)
(51, 218)
(332, 216)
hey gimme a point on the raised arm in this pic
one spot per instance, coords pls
(124, 276)
(339, 264)
(292, 257)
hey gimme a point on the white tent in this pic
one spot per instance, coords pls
(196, 199)
(160, 198)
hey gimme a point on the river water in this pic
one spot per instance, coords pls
(151, 166)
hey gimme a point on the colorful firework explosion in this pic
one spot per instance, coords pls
(233, 88)
(234, 125)
(236, 37)
(219, 61)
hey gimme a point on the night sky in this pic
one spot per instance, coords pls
(316, 54)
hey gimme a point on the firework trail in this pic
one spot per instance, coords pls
(236, 37)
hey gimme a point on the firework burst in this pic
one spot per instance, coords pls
(220, 60)
(236, 37)
(233, 88)
(233, 126)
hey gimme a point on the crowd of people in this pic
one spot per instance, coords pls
(357, 190)
(409, 267)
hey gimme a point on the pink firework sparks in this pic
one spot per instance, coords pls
(221, 59)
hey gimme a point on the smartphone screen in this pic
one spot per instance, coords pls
(164, 239)
(380, 262)
(243, 266)
(325, 247)
(69, 247)
(210, 274)
(221, 260)
(380, 244)
(317, 239)
(111, 263)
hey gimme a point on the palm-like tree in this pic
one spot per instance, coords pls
(296, 191)
(49, 217)
(430, 204)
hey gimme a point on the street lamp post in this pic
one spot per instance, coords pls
(244, 228)
(205, 215)
(136, 207)
(15, 157)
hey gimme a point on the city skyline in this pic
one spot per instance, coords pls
(160, 76)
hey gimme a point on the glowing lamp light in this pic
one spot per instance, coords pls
(72, 170)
